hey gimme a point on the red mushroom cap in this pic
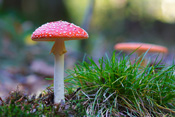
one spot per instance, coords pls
(141, 47)
(59, 29)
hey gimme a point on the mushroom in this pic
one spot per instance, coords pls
(141, 48)
(59, 31)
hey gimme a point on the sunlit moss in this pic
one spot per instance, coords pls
(162, 10)
(76, 9)
(168, 10)
(108, 12)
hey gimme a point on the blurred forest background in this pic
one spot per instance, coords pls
(26, 64)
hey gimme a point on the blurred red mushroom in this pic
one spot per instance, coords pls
(140, 48)
(59, 31)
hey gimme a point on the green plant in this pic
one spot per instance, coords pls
(117, 86)
(110, 87)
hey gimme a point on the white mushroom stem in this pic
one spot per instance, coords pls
(58, 50)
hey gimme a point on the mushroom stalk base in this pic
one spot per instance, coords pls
(143, 63)
(58, 50)
(59, 79)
